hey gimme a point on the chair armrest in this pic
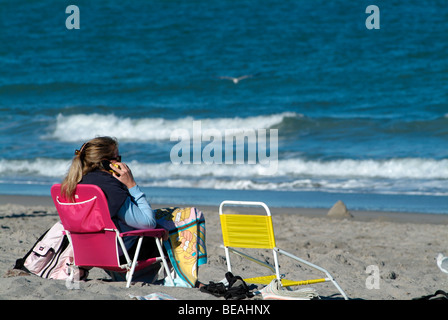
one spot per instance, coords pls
(155, 233)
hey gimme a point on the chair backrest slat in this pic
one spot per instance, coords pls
(247, 231)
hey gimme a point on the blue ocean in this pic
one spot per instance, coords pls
(361, 113)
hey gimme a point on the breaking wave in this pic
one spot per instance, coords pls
(81, 127)
(407, 176)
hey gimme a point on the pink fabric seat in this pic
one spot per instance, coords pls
(94, 236)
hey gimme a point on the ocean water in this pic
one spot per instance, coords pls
(361, 115)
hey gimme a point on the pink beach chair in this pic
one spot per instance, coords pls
(94, 236)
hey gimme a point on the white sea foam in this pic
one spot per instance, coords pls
(39, 167)
(411, 168)
(410, 176)
(81, 127)
(394, 168)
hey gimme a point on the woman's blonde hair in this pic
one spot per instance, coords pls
(87, 159)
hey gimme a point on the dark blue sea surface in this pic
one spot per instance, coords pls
(362, 115)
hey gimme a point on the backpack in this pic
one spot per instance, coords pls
(51, 256)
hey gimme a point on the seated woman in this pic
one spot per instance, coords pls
(98, 162)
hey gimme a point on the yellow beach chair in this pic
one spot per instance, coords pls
(257, 232)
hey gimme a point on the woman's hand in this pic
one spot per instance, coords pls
(123, 174)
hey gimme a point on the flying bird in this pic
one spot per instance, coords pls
(238, 79)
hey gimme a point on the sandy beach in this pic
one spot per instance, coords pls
(403, 248)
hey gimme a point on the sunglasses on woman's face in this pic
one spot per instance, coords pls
(117, 158)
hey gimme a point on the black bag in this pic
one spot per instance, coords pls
(238, 289)
(438, 295)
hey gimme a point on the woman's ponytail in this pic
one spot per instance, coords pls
(87, 159)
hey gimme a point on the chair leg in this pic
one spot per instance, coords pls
(229, 266)
(134, 262)
(130, 272)
(330, 277)
(71, 272)
(165, 264)
(71, 282)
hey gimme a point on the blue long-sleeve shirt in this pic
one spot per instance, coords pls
(135, 213)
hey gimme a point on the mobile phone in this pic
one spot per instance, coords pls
(107, 166)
